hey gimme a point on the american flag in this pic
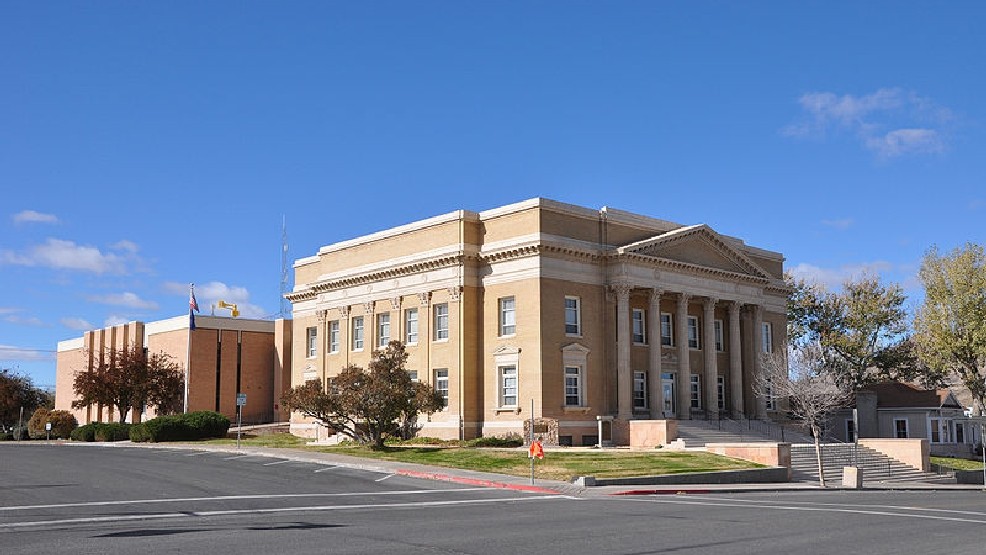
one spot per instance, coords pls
(193, 306)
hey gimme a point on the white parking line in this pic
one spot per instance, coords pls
(196, 454)
(276, 462)
(384, 478)
(235, 457)
(159, 516)
(238, 497)
(326, 468)
(827, 508)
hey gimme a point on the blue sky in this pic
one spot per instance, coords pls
(146, 145)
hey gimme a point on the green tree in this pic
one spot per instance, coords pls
(950, 326)
(130, 378)
(17, 392)
(367, 405)
(862, 331)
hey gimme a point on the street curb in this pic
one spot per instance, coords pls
(474, 481)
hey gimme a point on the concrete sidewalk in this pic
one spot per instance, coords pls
(517, 483)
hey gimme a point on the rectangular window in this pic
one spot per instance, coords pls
(573, 316)
(640, 390)
(667, 330)
(411, 326)
(695, 389)
(413, 374)
(357, 333)
(508, 386)
(312, 342)
(441, 384)
(959, 432)
(508, 316)
(334, 336)
(693, 342)
(766, 337)
(771, 400)
(383, 330)
(573, 386)
(720, 344)
(441, 322)
(639, 333)
(721, 393)
(850, 431)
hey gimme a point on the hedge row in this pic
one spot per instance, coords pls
(182, 427)
(102, 431)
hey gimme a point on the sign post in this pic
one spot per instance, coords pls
(48, 431)
(240, 402)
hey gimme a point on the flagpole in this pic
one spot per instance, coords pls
(188, 346)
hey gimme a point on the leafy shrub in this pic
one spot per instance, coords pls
(138, 433)
(20, 433)
(422, 440)
(185, 427)
(511, 440)
(62, 423)
(208, 423)
(113, 431)
(6, 436)
(85, 433)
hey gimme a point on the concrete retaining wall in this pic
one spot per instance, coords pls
(750, 476)
(912, 452)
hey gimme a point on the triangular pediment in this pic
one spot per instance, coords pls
(696, 245)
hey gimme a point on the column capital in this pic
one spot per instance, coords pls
(344, 311)
(621, 288)
(683, 297)
(395, 303)
(455, 293)
(321, 315)
(368, 307)
(710, 302)
(424, 298)
(655, 295)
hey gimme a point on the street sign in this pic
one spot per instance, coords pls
(48, 426)
(241, 399)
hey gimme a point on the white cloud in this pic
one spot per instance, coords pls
(842, 224)
(834, 278)
(23, 320)
(30, 216)
(116, 320)
(906, 141)
(11, 353)
(209, 293)
(67, 255)
(127, 299)
(888, 122)
(126, 246)
(8, 310)
(77, 324)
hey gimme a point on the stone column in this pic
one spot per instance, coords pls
(624, 376)
(757, 351)
(683, 379)
(654, 390)
(711, 357)
(735, 360)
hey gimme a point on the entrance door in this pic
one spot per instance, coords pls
(667, 390)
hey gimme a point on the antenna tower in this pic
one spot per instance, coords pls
(285, 307)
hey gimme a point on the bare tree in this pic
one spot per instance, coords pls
(367, 406)
(804, 378)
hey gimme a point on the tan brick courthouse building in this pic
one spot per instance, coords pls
(589, 313)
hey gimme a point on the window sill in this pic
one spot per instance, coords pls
(507, 336)
(577, 335)
(411, 344)
(635, 344)
(360, 350)
(445, 340)
(333, 352)
(578, 409)
(515, 410)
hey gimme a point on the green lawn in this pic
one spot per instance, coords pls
(557, 465)
(957, 464)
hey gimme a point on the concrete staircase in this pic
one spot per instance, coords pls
(697, 433)
(875, 466)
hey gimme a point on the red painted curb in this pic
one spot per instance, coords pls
(661, 491)
(474, 482)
